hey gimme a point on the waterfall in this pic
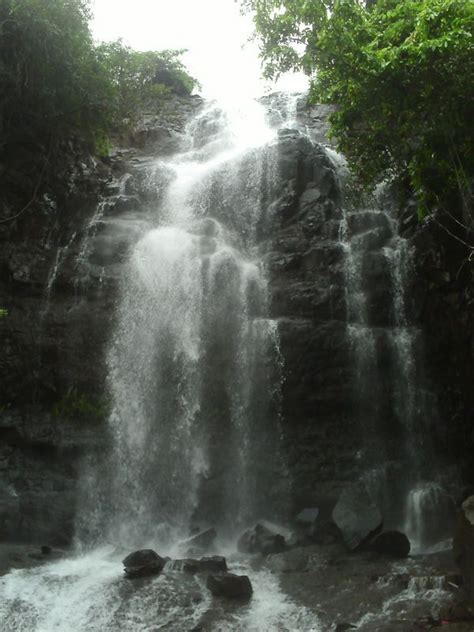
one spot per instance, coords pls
(390, 395)
(194, 363)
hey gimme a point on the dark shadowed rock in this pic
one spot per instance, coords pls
(308, 520)
(214, 564)
(261, 539)
(393, 543)
(230, 586)
(463, 545)
(143, 563)
(356, 516)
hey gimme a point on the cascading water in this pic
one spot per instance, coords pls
(194, 355)
(194, 380)
(391, 402)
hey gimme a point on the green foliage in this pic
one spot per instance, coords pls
(3, 312)
(75, 405)
(401, 73)
(50, 82)
(141, 80)
(55, 84)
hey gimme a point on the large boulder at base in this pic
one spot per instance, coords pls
(463, 545)
(201, 541)
(143, 563)
(230, 586)
(261, 539)
(393, 543)
(356, 516)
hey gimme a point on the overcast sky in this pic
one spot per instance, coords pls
(213, 31)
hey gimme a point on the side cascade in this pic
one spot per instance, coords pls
(393, 406)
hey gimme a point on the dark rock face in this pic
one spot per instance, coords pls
(230, 586)
(356, 516)
(143, 563)
(393, 543)
(262, 540)
(307, 521)
(60, 271)
(463, 546)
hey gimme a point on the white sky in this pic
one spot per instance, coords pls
(213, 31)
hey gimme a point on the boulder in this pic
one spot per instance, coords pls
(308, 520)
(214, 564)
(261, 539)
(393, 543)
(143, 563)
(356, 516)
(230, 586)
(463, 545)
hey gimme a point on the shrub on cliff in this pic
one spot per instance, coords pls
(401, 73)
(141, 80)
(57, 85)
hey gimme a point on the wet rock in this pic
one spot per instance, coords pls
(187, 565)
(463, 545)
(356, 516)
(230, 586)
(202, 540)
(343, 627)
(308, 520)
(262, 540)
(393, 543)
(143, 563)
(213, 564)
(461, 611)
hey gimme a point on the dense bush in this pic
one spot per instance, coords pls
(141, 80)
(401, 73)
(56, 85)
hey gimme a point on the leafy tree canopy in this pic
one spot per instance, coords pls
(400, 72)
(55, 82)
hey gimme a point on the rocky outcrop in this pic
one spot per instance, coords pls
(356, 516)
(261, 539)
(392, 543)
(60, 270)
(463, 546)
(143, 563)
(230, 586)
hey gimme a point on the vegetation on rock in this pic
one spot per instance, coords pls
(57, 85)
(400, 72)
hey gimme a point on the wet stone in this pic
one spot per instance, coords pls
(262, 540)
(143, 563)
(393, 543)
(230, 586)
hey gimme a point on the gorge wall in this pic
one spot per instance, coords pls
(60, 274)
